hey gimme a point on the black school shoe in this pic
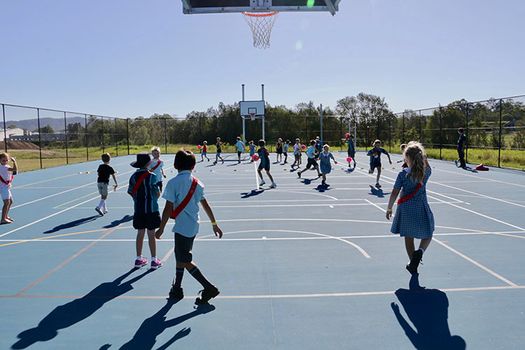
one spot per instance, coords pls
(206, 295)
(176, 293)
(414, 262)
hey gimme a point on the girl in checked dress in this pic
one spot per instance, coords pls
(413, 218)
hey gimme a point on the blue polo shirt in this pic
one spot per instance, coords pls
(146, 198)
(187, 223)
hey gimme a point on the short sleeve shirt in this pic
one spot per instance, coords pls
(146, 198)
(6, 176)
(310, 152)
(187, 222)
(264, 156)
(375, 155)
(104, 171)
(240, 146)
(158, 169)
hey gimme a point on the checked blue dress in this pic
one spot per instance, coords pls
(413, 218)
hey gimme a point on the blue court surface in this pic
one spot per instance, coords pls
(299, 266)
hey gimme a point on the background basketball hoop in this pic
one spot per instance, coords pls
(261, 24)
(252, 116)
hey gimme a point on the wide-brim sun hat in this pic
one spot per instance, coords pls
(142, 160)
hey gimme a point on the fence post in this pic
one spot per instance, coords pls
(440, 132)
(420, 128)
(468, 137)
(39, 136)
(500, 131)
(403, 128)
(103, 149)
(5, 128)
(127, 133)
(86, 137)
(390, 134)
(65, 133)
(115, 136)
(165, 136)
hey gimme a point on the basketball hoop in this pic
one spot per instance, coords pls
(261, 24)
(252, 116)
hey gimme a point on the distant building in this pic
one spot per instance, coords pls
(11, 132)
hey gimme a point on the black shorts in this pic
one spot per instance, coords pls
(265, 167)
(183, 247)
(351, 154)
(148, 221)
(311, 163)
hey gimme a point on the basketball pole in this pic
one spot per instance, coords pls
(243, 120)
(263, 116)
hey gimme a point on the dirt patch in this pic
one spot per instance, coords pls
(18, 145)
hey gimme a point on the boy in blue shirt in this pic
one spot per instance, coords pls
(143, 187)
(264, 156)
(311, 153)
(375, 159)
(186, 189)
(239, 145)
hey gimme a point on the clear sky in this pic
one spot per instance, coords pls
(138, 57)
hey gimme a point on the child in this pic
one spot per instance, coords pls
(285, 150)
(6, 178)
(402, 147)
(240, 148)
(351, 149)
(311, 153)
(324, 160)
(462, 140)
(264, 156)
(413, 218)
(145, 192)
(252, 150)
(156, 166)
(104, 171)
(375, 159)
(218, 145)
(184, 188)
(279, 149)
(297, 153)
(204, 151)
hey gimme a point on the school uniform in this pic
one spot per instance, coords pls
(156, 166)
(187, 222)
(311, 153)
(240, 147)
(145, 201)
(414, 217)
(324, 160)
(252, 150)
(264, 156)
(375, 157)
(351, 148)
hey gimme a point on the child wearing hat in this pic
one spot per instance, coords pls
(143, 187)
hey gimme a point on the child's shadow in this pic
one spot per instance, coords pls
(66, 315)
(146, 336)
(349, 170)
(323, 188)
(73, 223)
(115, 223)
(377, 192)
(252, 193)
(427, 309)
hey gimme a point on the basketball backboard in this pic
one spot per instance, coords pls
(252, 108)
(221, 6)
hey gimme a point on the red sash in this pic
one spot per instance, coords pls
(186, 199)
(141, 178)
(7, 182)
(410, 195)
(156, 166)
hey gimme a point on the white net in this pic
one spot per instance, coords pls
(261, 24)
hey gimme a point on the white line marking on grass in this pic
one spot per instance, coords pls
(361, 250)
(484, 268)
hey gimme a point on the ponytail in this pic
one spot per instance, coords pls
(416, 153)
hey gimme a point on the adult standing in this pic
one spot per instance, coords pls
(462, 140)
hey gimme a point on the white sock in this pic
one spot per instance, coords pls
(104, 206)
(153, 258)
(101, 204)
(139, 257)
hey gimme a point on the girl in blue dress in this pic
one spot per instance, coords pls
(326, 167)
(413, 218)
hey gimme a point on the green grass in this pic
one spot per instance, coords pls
(29, 159)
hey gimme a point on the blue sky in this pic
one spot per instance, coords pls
(137, 57)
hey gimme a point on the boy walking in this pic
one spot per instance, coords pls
(143, 187)
(104, 171)
(311, 153)
(183, 194)
(264, 156)
(239, 145)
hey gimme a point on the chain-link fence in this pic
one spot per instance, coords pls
(41, 137)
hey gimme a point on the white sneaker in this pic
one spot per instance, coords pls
(274, 185)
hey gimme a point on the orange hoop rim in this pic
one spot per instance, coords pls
(260, 14)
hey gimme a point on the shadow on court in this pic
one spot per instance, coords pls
(378, 192)
(146, 336)
(427, 309)
(252, 193)
(67, 315)
(74, 223)
(115, 223)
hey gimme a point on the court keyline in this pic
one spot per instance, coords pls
(361, 250)
(268, 296)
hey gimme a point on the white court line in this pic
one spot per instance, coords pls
(47, 217)
(479, 194)
(484, 268)
(477, 177)
(43, 181)
(509, 235)
(361, 250)
(377, 206)
(269, 296)
(211, 193)
(469, 210)
(76, 199)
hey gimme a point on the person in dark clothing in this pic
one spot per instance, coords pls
(462, 140)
